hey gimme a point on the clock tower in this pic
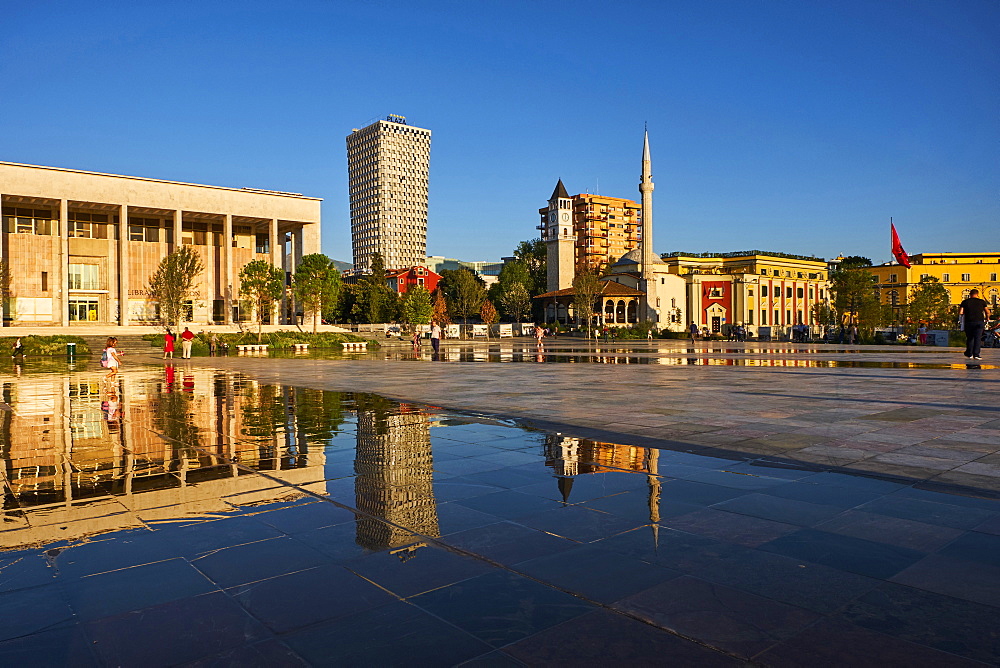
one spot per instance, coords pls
(560, 240)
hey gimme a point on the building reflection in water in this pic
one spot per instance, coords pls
(80, 455)
(394, 474)
(158, 447)
(569, 457)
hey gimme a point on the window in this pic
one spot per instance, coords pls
(143, 229)
(966, 278)
(84, 277)
(993, 278)
(750, 292)
(263, 244)
(194, 234)
(810, 293)
(799, 293)
(87, 225)
(788, 293)
(750, 317)
(946, 278)
(763, 291)
(28, 221)
(82, 310)
(763, 317)
(777, 317)
(45, 281)
(892, 278)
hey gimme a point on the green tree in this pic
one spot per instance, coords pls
(930, 302)
(316, 285)
(533, 254)
(513, 273)
(172, 283)
(375, 300)
(416, 308)
(467, 294)
(261, 286)
(586, 287)
(854, 262)
(855, 293)
(516, 302)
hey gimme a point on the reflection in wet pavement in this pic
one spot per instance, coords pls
(265, 524)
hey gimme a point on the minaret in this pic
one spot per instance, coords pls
(646, 191)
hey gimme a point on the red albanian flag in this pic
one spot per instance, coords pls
(897, 249)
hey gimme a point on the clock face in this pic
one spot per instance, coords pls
(565, 217)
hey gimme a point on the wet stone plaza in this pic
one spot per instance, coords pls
(501, 505)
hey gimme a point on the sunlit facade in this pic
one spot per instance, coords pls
(752, 288)
(388, 168)
(959, 273)
(82, 246)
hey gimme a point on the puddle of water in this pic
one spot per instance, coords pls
(267, 492)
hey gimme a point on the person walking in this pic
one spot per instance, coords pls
(187, 340)
(415, 339)
(168, 344)
(435, 336)
(111, 358)
(694, 331)
(213, 344)
(973, 312)
(922, 333)
(18, 349)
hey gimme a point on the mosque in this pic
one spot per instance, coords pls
(766, 291)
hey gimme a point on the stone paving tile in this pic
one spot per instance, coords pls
(891, 530)
(977, 581)
(740, 529)
(833, 642)
(500, 608)
(948, 624)
(590, 639)
(727, 618)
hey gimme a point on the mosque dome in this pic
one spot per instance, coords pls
(634, 256)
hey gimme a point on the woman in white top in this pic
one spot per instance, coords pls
(114, 358)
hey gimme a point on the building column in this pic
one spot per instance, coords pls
(62, 299)
(227, 281)
(178, 218)
(276, 261)
(123, 266)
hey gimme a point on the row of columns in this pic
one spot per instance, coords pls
(120, 273)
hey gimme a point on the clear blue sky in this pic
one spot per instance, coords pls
(797, 126)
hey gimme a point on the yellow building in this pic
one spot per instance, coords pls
(757, 288)
(959, 273)
(603, 228)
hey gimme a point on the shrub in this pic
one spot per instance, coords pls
(45, 345)
(275, 340)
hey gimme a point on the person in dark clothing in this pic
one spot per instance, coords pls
(974, 312)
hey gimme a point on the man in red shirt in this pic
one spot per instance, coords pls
(187, 336)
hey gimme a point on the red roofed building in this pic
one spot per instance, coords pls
(401, 280)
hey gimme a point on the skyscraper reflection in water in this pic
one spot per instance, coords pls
(395, 474)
